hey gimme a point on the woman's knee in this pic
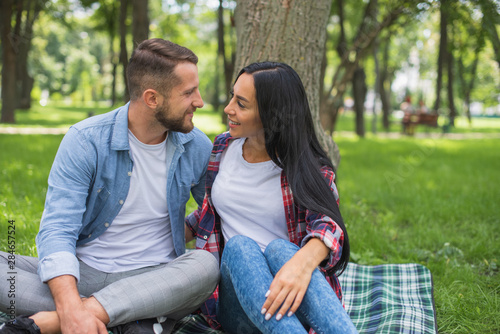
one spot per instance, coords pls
(240, 245)
(280, 246)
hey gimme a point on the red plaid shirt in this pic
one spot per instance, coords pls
(302, 225)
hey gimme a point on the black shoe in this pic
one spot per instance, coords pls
(20, 325)
(145, 326)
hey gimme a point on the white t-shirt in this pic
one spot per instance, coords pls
(141, 234)
(248, 197)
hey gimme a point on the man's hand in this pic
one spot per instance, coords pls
(74, 317)
(291, 282)
(79, 320)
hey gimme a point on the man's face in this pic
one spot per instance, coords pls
(175, 113)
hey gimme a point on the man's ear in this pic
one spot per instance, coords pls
(151, 98)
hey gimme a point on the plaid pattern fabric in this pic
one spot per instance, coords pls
(385, 299)
(302, 224)
(389, 299)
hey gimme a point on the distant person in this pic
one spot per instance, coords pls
(409, 119)
(422, 109)
(111, 241)
(271, 213)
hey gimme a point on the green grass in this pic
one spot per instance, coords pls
(429, 201)
(433, 202)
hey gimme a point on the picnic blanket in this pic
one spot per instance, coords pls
(388, 299)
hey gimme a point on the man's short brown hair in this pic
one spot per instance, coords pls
(152, 66)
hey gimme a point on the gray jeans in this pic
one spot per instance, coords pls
(173, 290)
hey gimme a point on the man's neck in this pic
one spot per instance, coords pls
(145, 129)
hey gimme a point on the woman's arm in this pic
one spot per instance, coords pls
(290, 283)
(188, 234)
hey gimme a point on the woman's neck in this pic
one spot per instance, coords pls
(254, 150)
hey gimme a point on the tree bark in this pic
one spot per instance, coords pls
(359, 90)
(451, 99)
(123, 45)
(140, 21)
(8, 64)
(443, 49)
(385, 91)
(292, 32)
(24, 80)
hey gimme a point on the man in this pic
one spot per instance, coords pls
(111, 241)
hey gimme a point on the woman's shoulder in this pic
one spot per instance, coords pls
(222, 141)
(327, 172)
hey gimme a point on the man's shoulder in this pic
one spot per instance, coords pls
(102, 120)
(194, 138)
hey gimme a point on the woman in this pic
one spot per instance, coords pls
(271, 210)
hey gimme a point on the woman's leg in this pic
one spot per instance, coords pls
(245, 279)
(321, 309)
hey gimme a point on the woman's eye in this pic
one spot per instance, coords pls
(240, 105)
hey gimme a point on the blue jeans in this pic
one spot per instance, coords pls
(247, 273)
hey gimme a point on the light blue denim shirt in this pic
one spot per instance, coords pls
(90, 179)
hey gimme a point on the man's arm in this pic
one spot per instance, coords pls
(74, 315)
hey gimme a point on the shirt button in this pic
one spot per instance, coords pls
(205, 237)
(106, 224)
(121, 202)
(129, 173)
(90, 235)
(99, 190)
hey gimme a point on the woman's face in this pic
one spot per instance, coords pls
(242, 110)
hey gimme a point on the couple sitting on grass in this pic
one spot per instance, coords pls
(269, 235)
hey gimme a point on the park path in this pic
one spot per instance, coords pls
(390, 135)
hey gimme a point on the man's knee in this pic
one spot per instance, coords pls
(211, 265)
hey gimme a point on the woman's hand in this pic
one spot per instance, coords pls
(290, 284)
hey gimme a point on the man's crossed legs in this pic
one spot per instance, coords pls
(172, 290)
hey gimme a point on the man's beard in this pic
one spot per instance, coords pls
(171, 123)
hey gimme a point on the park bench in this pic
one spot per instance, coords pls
(410, 121)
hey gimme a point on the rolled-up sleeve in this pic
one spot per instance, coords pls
(65, 204)
(325, 228)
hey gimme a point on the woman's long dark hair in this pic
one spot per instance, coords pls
(292, 143)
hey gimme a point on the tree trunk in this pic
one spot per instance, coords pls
(8, 64)
(292, 32)
(377, 85)
(24, 80)
(351, 55)
(443, 49)
(359, 90)
(140, 21)
(451, 99)
(123, 45)
(383, 82)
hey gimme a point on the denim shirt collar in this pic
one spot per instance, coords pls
(119, 141)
